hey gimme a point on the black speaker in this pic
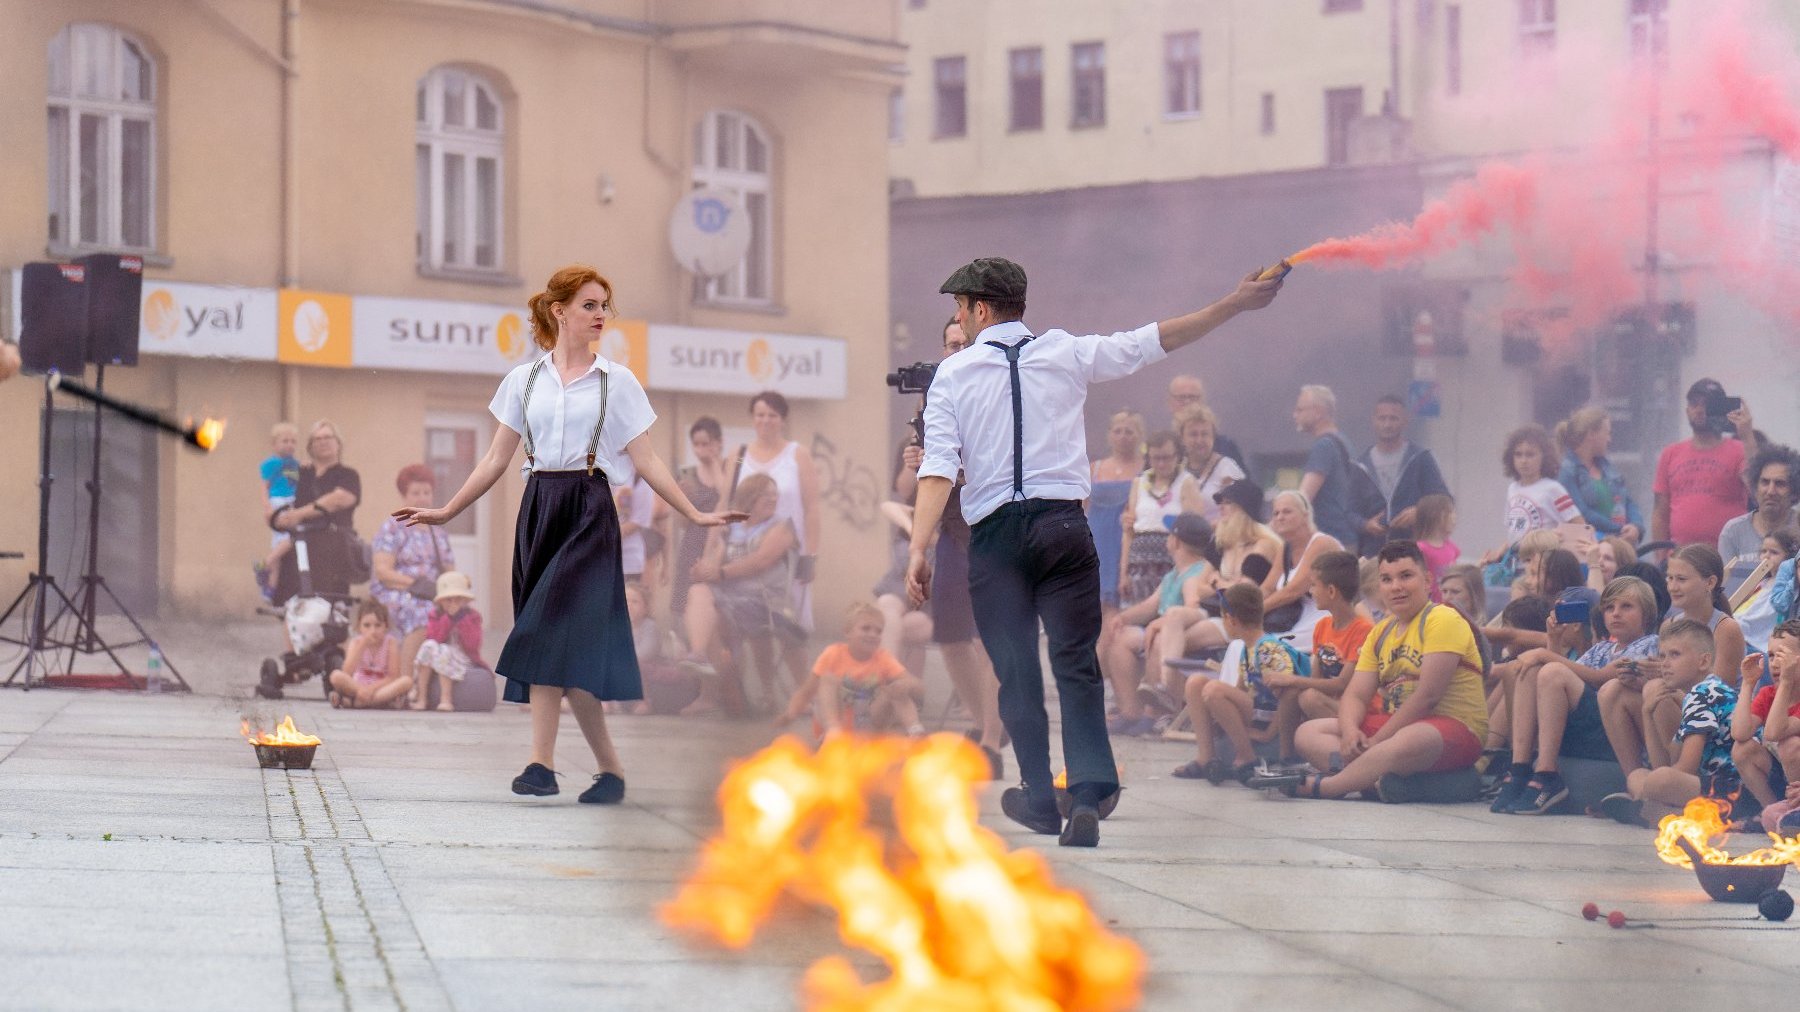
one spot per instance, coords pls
(115, 295)
(53, 318)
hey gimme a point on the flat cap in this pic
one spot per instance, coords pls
(990, 278)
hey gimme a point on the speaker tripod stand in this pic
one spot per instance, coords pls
(38, 635)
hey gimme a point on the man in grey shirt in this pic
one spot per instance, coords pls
(1771, 473)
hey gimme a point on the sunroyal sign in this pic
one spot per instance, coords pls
(334, 330)
(707, 360)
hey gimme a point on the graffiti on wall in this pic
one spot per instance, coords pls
(846, 488)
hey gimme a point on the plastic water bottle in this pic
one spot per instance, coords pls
(153, 670)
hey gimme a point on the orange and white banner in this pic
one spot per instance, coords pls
(710, 360)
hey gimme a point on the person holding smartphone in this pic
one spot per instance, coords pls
(1699, 483)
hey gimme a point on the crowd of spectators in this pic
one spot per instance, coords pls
(1329, 638)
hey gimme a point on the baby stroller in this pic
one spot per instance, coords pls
(317, 622)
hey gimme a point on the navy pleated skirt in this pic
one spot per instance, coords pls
(570, 625)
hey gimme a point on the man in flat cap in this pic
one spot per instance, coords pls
(1008, 412)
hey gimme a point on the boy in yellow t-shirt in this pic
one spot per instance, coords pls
(1423, 662)
(864, 687)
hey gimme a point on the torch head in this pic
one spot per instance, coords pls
(1275, 271)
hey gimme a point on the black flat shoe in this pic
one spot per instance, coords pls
(996, 764)
(1083, 829)
(1018, 807)
(607, 789)
(537, 779)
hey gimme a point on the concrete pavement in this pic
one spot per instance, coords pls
(145, 862)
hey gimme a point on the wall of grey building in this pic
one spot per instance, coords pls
(1112, 258)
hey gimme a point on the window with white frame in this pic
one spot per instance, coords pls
(1537, 26)
(459, 161)
(1181, 73)
(102, 139)
(950, 80)
(732, 153)
(1026, 71)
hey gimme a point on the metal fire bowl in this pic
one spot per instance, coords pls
(1734, 883)
(285, 757)
(1739, 883)
(1107, 804)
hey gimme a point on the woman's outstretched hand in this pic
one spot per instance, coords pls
(413, 516)
(720, 519)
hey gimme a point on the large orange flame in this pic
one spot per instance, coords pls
(1701, 823)
(285, 733)
(209, 432)
(961, 922)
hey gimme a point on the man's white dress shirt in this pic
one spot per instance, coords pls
(969, 412)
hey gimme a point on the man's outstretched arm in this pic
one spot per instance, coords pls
(1250, 294)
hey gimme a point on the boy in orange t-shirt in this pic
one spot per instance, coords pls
(1337, 641)
(865, 688)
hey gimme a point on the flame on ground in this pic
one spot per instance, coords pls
(285, 733)
(884, 832)
(1701, 823)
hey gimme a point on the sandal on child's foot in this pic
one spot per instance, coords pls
(337, 700)
(1193, 769)
(1303, 785)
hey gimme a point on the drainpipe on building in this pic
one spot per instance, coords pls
(290, 185)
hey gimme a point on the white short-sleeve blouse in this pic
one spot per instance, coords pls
(562, 418)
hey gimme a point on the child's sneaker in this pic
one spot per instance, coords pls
(263, 583)
(1622, 807)
(1545, 791)
(1512, 789)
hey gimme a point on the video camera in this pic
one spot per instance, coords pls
(914, 379)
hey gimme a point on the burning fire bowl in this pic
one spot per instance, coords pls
(285, 757)
(1734, 883)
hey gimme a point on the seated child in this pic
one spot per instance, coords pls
(1557, 703)
(1337, 642)
(1135, 629)
(452, 640)
(1701, 762)
(280, 473)
(1767, 732)
(370, 677)
(863, 688)
(1244, 708)
(1535, 614)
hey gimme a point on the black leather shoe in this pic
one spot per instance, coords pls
(607, 789)
(1016, 803)
(537, 779)
(1083, 829)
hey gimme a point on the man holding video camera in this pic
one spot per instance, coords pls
(1009, 414)
(1700, 481)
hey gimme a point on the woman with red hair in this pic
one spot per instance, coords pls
(406, 564)
(585, 427)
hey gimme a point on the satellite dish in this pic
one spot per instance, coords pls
(709, 231)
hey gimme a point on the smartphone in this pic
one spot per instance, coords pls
(1718, 406)
(1574, 612)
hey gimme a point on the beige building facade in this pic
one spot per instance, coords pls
(342, 206)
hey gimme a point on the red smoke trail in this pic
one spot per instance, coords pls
(1575, 220)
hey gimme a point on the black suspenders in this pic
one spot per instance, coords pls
(1018, 413)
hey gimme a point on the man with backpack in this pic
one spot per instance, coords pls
(1402, 472)
(1330, 482)
(1415, 704)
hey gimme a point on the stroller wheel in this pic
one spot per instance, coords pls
(270, 685)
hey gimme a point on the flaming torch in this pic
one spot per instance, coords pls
(1686, 841)
(204, 435)
(883, 831)
(285, 748)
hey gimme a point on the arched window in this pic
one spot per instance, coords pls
(732, 153)
(102, 144)
(459, 160)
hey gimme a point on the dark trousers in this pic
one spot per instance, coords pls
(1035, 560)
